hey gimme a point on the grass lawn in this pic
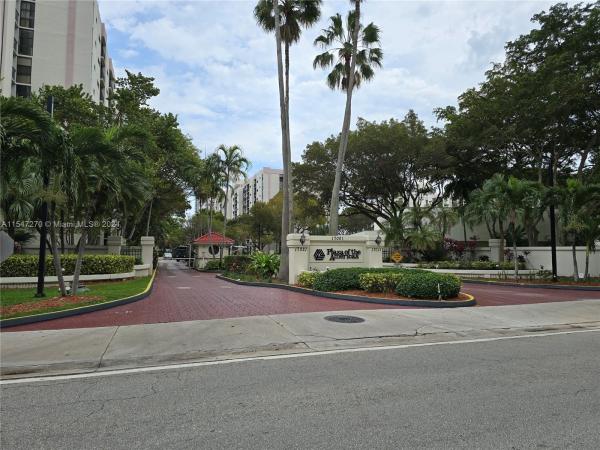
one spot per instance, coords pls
(21, 302)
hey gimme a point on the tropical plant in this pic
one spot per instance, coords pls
(578, 208)
(423, 239)
(353, 50)
(513, 196)
(265, 265)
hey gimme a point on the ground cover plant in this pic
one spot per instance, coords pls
(21, 301)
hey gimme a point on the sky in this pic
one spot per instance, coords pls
(217, 72)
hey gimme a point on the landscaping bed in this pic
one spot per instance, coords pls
(562, 283)
(19, 302)
(376, 285)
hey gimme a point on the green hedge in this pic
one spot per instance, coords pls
(27, 265)
(213, 264)
(347, 279)
(380, 282)
(307, 279)
(237, 263)
(474, 265)
(428, 285)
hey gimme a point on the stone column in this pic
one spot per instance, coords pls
(373, 252)
(496, 249)
(298, 255)
(147, 243)
(114, 244)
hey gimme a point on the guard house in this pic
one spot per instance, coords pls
(208, 247)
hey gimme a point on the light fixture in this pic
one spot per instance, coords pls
(378, 239)
(302, 238)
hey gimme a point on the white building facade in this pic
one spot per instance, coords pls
(54, 42)
(261, 187)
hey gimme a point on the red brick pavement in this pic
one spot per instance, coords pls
(180, 294)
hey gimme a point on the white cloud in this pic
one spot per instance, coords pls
(216, 68)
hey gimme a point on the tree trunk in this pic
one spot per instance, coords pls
(587, 262)
(516, 259)
(224, 217)
(285, 216)
(501, 229)
(149, 216)
(335, 193)
(55, 253)
(290, 176)
(80, 251)
(575, 268)
(62, 231)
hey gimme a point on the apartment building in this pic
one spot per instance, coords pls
(54, 42)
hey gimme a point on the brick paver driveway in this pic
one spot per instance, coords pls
(181, 294)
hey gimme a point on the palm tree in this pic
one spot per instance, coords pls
(102, 173)
(287, 21)
(513, 196)
(234, 166)
(353, 60)
(423, 239)
(578, 203)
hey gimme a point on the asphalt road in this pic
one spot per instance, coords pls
(535, 392)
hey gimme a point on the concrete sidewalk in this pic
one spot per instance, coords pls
(91, 349)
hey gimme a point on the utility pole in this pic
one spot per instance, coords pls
(44, 217)
(552, 217)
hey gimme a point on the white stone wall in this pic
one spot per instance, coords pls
(539, 257)
(332, 252)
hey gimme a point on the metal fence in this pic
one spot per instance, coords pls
(132, 250)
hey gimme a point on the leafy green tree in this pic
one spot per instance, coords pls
(353, 50)
(391, 166)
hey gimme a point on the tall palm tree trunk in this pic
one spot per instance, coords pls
(290, 180)
(285, 217)
(224, 216)
(587, 262)
(575, 268)
(55, 253)
(149, 216)
(78, 262)
(335, 193)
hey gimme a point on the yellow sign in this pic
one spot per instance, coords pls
(396, 257)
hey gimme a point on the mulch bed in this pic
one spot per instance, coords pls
(394, 296)
(48, 303)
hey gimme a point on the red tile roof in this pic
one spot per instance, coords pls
(213, 238)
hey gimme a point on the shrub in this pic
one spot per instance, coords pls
(265, 265)
(307, 279)
(428, 285)
(379, 282)
(26, 265)
(236, 263)
(346, 279)
(213, 264)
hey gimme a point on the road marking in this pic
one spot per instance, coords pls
(107, 373)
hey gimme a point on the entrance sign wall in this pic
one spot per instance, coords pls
(332, 252)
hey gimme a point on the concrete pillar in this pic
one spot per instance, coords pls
(374, 252)
(496, 249)
(147, 243)
(298, 255)
(114, 244)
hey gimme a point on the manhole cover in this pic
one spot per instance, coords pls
(345, 319)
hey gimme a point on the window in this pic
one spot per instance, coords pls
(23, 90)
(26, 42)
(23, 70)
(27, 14)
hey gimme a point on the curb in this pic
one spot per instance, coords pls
(564, 287)
(6, 323)
(358, 298)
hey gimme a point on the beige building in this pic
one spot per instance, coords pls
(261, 187)
(54, 42)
